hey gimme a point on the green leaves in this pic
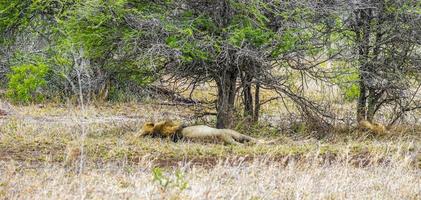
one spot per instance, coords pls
(172, 41)
(177, 180)
(255, 37)
(204, 24)
(92, 25)
(286, 43)
(347, 80)
(25, 81)
(183, 40)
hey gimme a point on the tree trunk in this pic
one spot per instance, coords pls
(374, 103)
(371, 105)
(362, 30)
(226, 97)
(256, 103)
(374, 94)
(362, 101)
(248, 97)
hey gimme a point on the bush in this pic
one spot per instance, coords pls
(347, 80)
(26, 81)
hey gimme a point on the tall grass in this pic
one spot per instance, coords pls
(234, 179)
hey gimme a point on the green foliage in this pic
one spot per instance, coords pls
(123, 40)
(25, 81)
(18, 15)
(190, 48)
(98, 31)
(352, 92)
(13, 15)
(255, 37)
(198, 37)
(92, 25)
(288, 40)
(347, 80)
(164, 181)
(189, 34)
(159, 177)
(204, 24)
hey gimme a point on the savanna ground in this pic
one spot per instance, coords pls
(63, 152)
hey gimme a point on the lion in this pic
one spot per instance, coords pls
(373, 127)
(177, 131)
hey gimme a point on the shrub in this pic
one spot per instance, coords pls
(26, 82)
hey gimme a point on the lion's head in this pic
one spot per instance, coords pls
(161, 129)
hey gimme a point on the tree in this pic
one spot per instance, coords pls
(210, 40)
(254, 41)
(387, 43)
(99, 35)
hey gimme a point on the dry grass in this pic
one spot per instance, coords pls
(44, 156)
(260, 179)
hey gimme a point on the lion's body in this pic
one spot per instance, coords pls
(176, 131)
(226, 135)
(376, 128)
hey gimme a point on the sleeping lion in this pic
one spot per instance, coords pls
(373, 127)
(176, 131)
